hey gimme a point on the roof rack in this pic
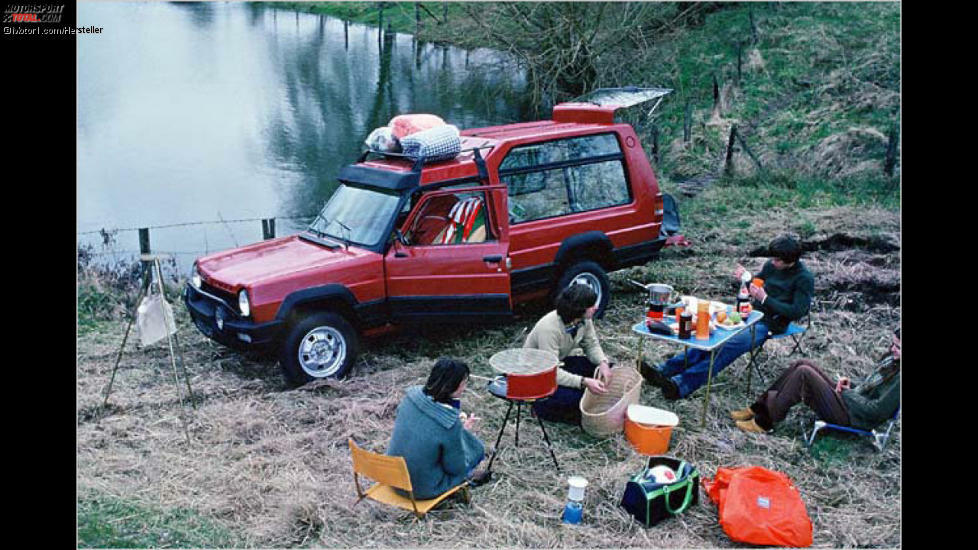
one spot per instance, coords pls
(399, 180)
(421, 161)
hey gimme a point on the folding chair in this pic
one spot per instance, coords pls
(879, 438)
(796, 331)
(391, 472)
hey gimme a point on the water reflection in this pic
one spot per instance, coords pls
(193, 112)
(201, 13)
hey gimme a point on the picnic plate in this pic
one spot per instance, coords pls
(730, 327)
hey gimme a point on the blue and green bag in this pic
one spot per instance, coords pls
(651, 502)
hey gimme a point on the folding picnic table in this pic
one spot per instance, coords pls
(717, 340)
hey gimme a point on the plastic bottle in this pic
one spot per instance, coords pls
(703, 320)
(743, 296)
(743, 301)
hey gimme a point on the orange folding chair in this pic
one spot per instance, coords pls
(391, 472)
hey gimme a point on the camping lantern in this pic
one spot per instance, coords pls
(573, 510)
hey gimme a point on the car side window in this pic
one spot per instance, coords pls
(563, 176)
(452, 218)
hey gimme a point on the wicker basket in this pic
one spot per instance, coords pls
(604, 415)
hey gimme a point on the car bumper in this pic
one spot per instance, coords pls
(219, 322)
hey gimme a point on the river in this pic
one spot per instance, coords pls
(228, 113)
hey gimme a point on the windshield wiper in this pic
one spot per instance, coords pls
(317, 232)
(346, 240)
(312, 227)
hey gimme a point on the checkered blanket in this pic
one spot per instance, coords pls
(438, 143)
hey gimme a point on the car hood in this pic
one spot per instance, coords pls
(272, 259)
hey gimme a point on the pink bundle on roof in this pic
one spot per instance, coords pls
(405, 125)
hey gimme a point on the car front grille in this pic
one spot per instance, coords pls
(228, 297)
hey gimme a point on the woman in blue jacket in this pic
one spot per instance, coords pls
(432, 435)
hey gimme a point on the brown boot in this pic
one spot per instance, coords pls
(742, 414)
(750, 426)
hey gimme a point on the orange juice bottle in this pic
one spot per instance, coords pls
(703, 320)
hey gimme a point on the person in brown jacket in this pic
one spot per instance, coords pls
(561, 331)
(865, 406)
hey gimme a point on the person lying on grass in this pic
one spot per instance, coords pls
(786, 296)
(433, 436)
(561, 332)
(865, 407)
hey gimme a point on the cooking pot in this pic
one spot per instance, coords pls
(530, 373)
(660, 295)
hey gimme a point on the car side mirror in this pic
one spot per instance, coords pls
(400, 237)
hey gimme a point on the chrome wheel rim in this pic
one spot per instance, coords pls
(322, 352)
(591, 280)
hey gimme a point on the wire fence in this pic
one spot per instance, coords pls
(104, 231)
(100, 247)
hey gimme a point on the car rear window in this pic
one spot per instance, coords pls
(564, 176)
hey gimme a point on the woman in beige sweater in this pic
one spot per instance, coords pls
(562, 331)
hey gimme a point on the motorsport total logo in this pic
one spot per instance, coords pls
(40, 19)
(33, 13)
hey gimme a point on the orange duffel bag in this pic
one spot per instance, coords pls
(760, 506)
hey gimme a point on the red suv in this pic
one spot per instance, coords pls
(524, 210)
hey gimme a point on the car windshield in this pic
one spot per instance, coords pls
(356, 214)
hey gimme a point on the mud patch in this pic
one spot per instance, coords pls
(852, 273)
(840, 242)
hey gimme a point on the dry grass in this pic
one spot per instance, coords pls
(272, 464)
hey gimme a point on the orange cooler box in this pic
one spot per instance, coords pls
(648, 429)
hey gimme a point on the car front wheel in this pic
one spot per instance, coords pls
(591, 274)
(320, 345)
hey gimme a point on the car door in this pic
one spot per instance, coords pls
(452, 265)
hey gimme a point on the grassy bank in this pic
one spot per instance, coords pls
(136, 526)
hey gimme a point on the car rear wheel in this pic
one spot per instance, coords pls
(320, 345)
(591, 274)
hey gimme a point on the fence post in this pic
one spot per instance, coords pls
(268, 228)
(346, 34)
(655, 143)
(417, 19)
(716, 94)
(687, 122)
(730, 145)
(891, 151)
(740, 57)
(753, 25)
(144, 248)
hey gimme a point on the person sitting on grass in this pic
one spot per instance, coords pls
(864, 407)
(433, 436)
(786, 296)
(561, 331)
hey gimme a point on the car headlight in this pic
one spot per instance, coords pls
(195, 278)
(243, 304)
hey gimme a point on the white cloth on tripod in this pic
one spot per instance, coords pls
(150, 319)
